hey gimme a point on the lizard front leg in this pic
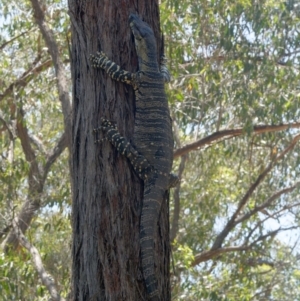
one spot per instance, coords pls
(123, 146)
(100, 60)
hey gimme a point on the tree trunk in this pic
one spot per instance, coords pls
(107, 194)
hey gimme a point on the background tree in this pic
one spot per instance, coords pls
(33, 137)
(235, 106)
(236, 101)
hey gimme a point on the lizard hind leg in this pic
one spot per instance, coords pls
(124, 147)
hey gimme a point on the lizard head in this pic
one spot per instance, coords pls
(145, 42)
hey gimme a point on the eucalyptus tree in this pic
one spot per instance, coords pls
(234, 98)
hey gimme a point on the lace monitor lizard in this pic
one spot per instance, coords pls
(151, 149)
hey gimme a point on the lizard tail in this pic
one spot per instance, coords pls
(150, 212)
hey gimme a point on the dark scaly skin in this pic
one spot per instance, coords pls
(151, 150)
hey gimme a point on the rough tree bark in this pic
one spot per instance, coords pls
(107, 195)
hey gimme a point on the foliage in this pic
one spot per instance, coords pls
(235, 81)
(235, 66)
(29, 97)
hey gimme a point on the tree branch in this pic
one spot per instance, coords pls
(62, 85)
(267, 203)
(30, 156)
(176, 213)
(271, 234)
(38, 143)
(232, 222)
(218, 136)
(212, 253)
(239, 57)
(25, 78)
(36, 180)
(207, 255)
(11, 130)
(46, 278)
(55, 153)
(35, 183)
(258, 224)
(259, 261)
(14, 38)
